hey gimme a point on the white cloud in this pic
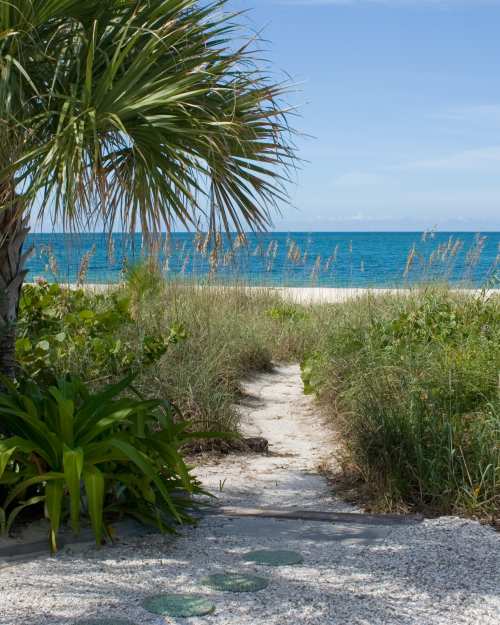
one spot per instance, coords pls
(478, 113)
(479, 159)
(357, 179)
(390, 3)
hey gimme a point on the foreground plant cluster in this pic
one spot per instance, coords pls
(79, 439)
(410, 383)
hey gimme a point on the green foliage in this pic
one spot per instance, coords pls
(411, 381)
(93, 455)
(139, 111)
(64, 330)
(309, 369)
(413, 384)
(286, 312)
(438, 319)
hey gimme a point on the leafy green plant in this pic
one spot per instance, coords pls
(9, 478)
(309, 370)
(93, 454)
(60, 327)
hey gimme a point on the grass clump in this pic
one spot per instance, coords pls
(224, 343)
(413, 384)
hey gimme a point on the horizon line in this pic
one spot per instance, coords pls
(270, 232)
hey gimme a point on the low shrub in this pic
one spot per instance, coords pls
(89, 334)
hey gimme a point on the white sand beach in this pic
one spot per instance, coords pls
(311, 295)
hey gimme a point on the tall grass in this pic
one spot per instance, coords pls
(413, 386)
(410, 381)
(227, 336)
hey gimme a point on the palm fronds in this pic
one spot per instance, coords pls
(140, 114)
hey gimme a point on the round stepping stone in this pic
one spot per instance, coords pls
(183, 606)
(235, 582)
(105, 621)
(278, 557)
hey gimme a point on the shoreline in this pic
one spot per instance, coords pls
(307, 295)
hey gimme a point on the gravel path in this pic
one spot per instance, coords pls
(444, 571)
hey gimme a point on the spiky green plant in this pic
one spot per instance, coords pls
(132, 113)
(120, 455)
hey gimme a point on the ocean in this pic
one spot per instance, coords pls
(326, 259)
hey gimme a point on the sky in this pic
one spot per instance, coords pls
(399, 105)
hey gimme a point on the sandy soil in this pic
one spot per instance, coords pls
(276, 408)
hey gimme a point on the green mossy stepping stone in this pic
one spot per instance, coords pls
(182, 606)
(235, 582)
(104, 621)
(278, 557)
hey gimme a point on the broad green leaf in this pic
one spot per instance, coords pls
(25, 504)
(94, 488)
(23, 345)
(150, 470)
(32, 429)
(5, 456)
(73, 467)
(53, 503)
(86, 315)
(172, 459)
(91, 411)
(66, 409)
(32, 481)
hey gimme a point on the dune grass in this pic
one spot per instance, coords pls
(411, 383)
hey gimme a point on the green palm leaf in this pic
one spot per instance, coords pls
(140, 112)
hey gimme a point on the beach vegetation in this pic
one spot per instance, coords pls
(408, 381)
(92, 455)
(139, 114)
(412, 385)
(93, 335)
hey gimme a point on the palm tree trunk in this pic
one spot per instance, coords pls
(13, 232)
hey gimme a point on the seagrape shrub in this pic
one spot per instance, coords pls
(413, 384)
(89, 457)
(93, 335)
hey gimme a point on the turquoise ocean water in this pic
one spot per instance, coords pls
(331, 259)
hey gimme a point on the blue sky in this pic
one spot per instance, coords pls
(402, 98)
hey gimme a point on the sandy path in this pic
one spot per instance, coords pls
(275, 408)
(439, 572)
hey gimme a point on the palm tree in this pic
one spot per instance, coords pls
(138, 114)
